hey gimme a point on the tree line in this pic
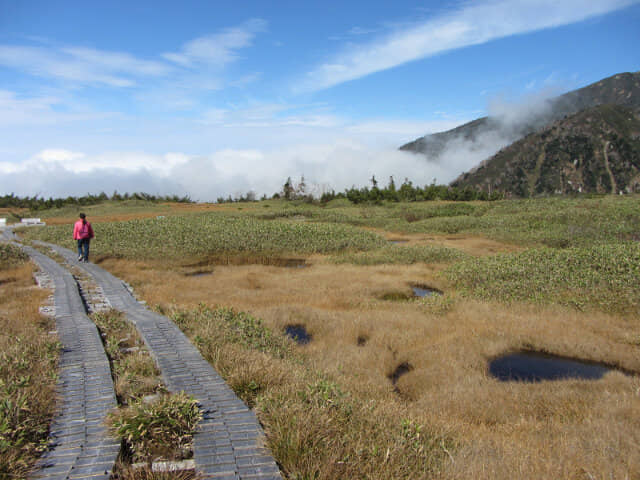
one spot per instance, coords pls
(40, 203)
(406, 192)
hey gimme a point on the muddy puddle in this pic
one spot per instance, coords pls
(536, 366)
(398, 242)
(298, 333)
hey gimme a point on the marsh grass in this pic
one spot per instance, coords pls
(134, 372)
(147, 473)
(404, 255)
(471, 424)
(557, 222)
(11, 256)
(606, 277)
(160, 429)
(28, 356)
(316, 428)
(211, 235)
(330, 408)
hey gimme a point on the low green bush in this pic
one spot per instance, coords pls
(164, 427)
(605, 277)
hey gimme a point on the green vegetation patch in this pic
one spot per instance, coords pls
(162, 428)
(231, 326)
(558, 222)
(27, 363)
(403, 255)
(134, 372)
(213, 234)
(11, 255)
(605, 277)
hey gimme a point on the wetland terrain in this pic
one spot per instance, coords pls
(364, 337)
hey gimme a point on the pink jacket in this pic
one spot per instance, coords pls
(82, 230)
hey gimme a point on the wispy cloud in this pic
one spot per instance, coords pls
(16, 111)
(471, 24)
(271, 115)
(81, 65)
(219, 49)
(196, 65)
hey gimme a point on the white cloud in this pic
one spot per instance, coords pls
(188, 69)
(472, 24)
(217, 49)
(123, 162)
(56, 172)
(16, 111)
(270, 115)
(81, 65)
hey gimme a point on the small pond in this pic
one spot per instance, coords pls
(198, 273)
(298, 333)
(536, 366)
(400, 370)
(292, 263)
(424, 291)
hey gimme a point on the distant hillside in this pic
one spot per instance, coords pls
(596, 150)
(621, 89)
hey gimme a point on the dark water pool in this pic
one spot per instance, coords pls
(535, 367)
(298, 333)
(199, 273)
(423, 291)
(293, 263)
(400, 370)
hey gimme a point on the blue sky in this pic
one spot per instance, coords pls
(214, 98)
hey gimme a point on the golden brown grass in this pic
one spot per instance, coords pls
(27, 371)
(471, 244)
(567, 429)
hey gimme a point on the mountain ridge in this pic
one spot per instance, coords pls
(596, 150)
(620, 89)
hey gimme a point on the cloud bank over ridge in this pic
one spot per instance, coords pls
(223, 173)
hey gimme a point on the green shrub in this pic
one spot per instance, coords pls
(236, 327)
(11, 255)
(605, 276)
(164, 427)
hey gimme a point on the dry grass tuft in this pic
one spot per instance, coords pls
(134, 372)
(28, 355)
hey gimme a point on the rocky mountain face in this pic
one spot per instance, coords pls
(595, 150)
(621, 89)
(585, 140)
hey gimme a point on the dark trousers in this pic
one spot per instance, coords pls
(83, 248)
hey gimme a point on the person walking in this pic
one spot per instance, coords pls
(83, 233)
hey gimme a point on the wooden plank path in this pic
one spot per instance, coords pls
(229, 442)
(80, 445)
